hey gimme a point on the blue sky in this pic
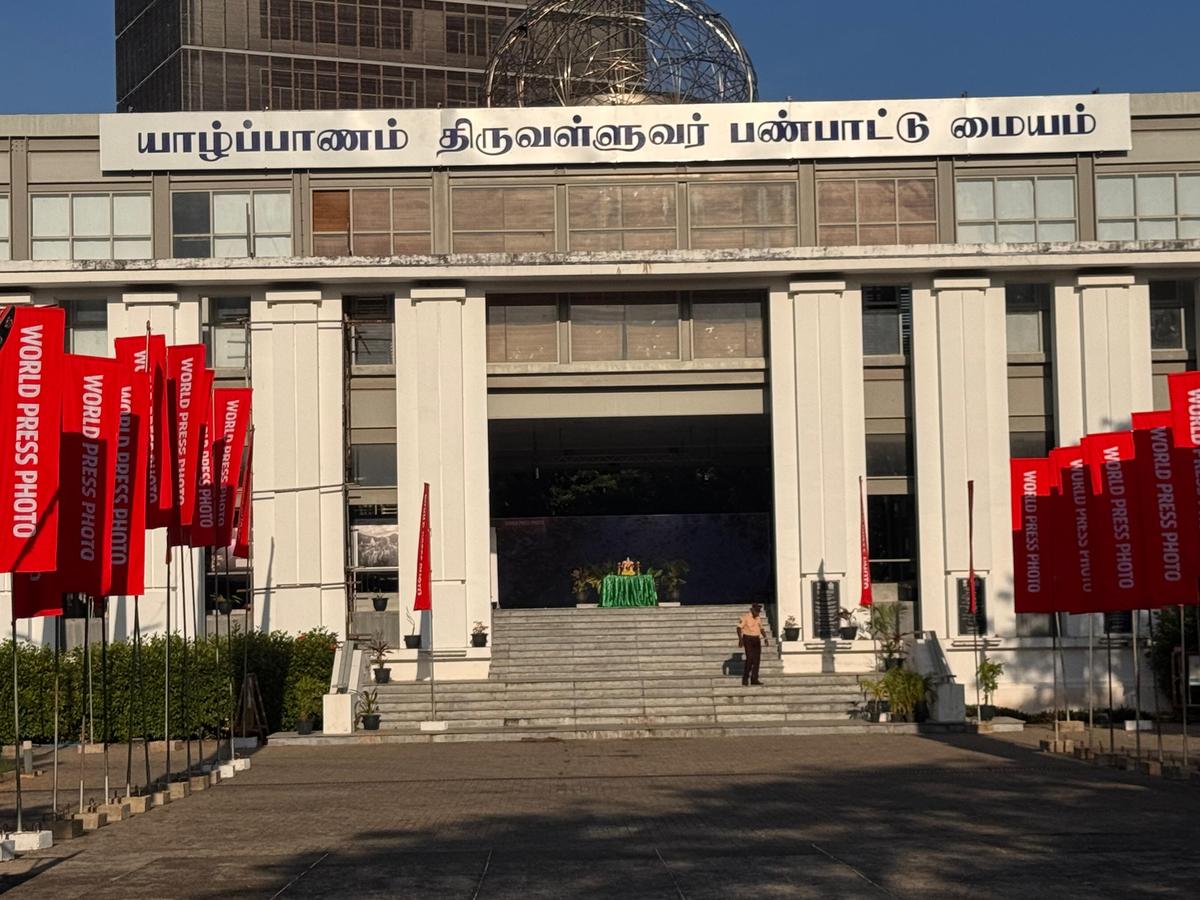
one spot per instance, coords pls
(57, 55)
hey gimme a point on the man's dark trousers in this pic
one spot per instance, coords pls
(753, 648)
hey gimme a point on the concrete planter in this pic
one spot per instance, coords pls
(66, 830)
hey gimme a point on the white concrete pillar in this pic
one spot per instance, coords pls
(298, 375)
(818, 442)
(442, 435)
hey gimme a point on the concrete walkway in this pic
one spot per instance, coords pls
(843, 816)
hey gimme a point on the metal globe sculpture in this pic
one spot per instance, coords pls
(619, 52)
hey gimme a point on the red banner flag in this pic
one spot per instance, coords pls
(31, 381)
(36, 594)
(204, 529)
(232, 421)
(867, 593)
(1165, 499)
(1070, 550)
(1110, 459)
(129, 492)
(90, 423)
(148, 356)
(1032, 485)
(188, 406)
(424, 599)
(1185, 408)
(241, 542)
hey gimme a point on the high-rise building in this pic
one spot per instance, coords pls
(304, 54)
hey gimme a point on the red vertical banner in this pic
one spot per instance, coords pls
(90, 423)
(204, 527)
(244, 533)
(1110, 460)
(129, 492)
(1071, 548)
(232, 421)
(1185, 408)
(31, 383)
(148, 357)
(36, 594)
(1166, 499)
(187, 396)
(1032, 530)
(424, 594)
(867, 593)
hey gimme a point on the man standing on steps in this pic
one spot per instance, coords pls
(751, 639)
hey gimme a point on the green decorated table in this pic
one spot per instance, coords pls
(628, 590)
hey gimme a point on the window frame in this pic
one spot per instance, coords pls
(623, 229)
(72, 307)
(251, 238)
(1178, 218)
(393, 233)
(1037, 221)
(603, 299)
(5, 227)
(71, 238)
(857, 179)
(696, 188)
(210, 324)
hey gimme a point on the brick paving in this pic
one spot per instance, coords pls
(840, 816)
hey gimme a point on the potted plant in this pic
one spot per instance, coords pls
(906, 691)
(222, 604)
(379, 650)
(479, 635)
(412, 640)
(368, 710)
(581, 580)
(877, 705)
(791, 629)
(884, 626)
(307, 692)
(848, 631)
(672, 573)
(988, 675)
(380, 602)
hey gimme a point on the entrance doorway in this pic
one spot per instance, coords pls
(687, 497)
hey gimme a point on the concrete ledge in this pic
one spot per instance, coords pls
(199, 783)
(92, 820)
(160, 798)
(180, 790)
(241, 765)
(28, 841)
(227, 771)
(138, 805)
(66, 829)
(117, 812)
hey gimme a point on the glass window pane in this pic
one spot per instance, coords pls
(4, 218)
(1016, 232)
(1056, 198)
(917, 199)
(89, 341)
(51, 250)
(190, 214)
(1024, 331)
(5, 252)
(530, 333)
(1166, 328)
(1155, 229)
(1156, 195)
(372, 343)
(371, 211)
(1114, 196)
(719, 330)
(128, 249)
(652, 330)
(974, 200)
(1056, 231)
(191, 248)
(272, 212)
(231, 214)
(93, 249)
(1189, 228)
(835, 202)
(1014, 198)
(1189, 195)
(877, 201)
(89, 312)
(977, 234)
(265, 247)
(132, 215)
(881, 333)
(597, 331)
(1117, 231)
(230, 247)
(91, 215)
(331, 211)
(229, 347)
(373, 465)
(887, 455)
(51, 218)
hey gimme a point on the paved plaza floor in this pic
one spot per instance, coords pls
(839, 816)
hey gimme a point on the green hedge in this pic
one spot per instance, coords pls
(279, 660)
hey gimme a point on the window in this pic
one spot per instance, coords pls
(502, 219)
(727, 326)
(231, 224)
(372, 222)
(876, 211)
(1015, 210)
(466, 35)
(87, 327)
(1031, 428)
(886, 320)
(225, 332)
(5, 228)
(373, 465)
(1172, 333)
(522, 329)
(1148, 207)
(644, 326)
(734, 216)
(623, 217)
(371, 323)
(91, 226)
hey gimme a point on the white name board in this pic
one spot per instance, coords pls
(441, 138)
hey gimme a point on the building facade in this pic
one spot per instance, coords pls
(305, 54)
(783, 327)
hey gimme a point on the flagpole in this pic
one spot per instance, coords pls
(167, 664)
(1184, 687)
(201, 614)
(1112, 733)
(104, 693)
(1137, 687)
(185, 560)
(229, 642)
(57, 657)
(85, 689)
(1091, 677)
(1054, 667)
(974, 608)
(1154, 689)
(16, 723)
